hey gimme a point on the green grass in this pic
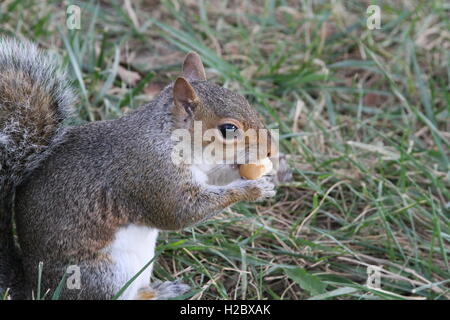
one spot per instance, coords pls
(363, 118)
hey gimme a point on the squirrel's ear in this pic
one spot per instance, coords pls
(193, 67)
(184, 96)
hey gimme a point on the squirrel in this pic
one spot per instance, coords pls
(97, 195)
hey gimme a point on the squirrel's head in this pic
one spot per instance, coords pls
(224, 119)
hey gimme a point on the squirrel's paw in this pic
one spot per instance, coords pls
(159, 290)
(258, 189)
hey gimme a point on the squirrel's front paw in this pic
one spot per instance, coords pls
(258, 189)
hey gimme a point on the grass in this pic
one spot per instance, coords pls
(363, 118)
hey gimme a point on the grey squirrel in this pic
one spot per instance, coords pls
(97, 195)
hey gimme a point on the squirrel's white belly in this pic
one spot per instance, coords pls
(132, 248)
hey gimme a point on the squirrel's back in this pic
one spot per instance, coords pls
(34, 101)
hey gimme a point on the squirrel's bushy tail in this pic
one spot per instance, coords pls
(34, 101)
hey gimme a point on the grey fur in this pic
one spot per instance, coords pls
(19, 154)
(88, 181)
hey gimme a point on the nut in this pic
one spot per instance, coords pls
(253, 171)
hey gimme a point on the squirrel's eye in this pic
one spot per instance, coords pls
(228, 130)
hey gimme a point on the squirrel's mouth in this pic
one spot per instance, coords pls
(223, 174)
